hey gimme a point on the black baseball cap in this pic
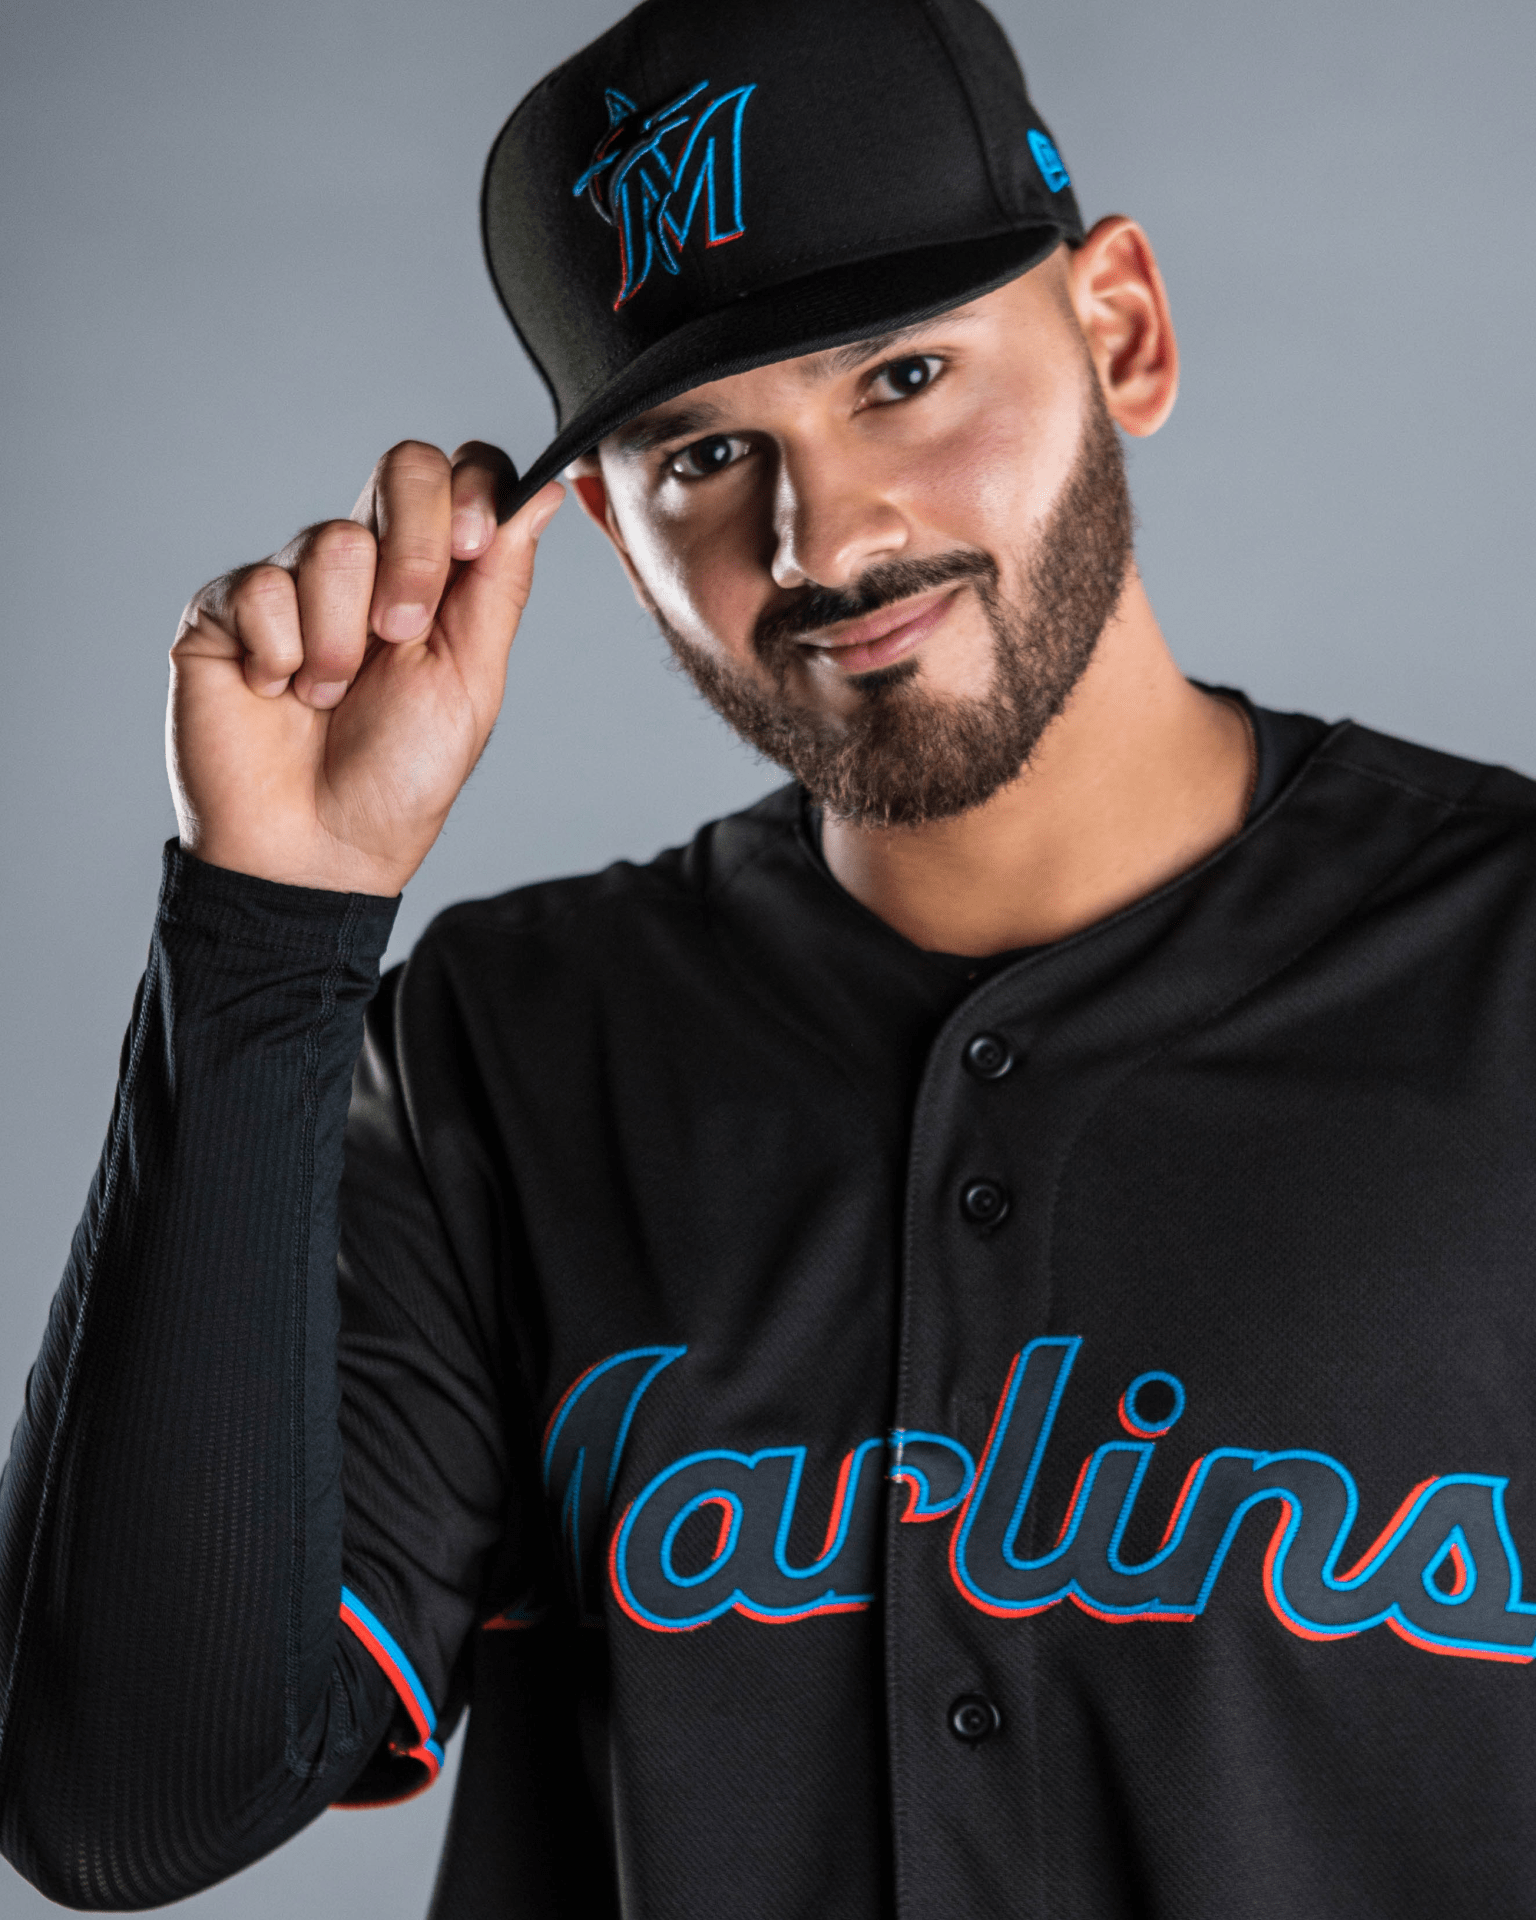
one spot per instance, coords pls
(715, 184)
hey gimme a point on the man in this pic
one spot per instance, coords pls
(958, 1346)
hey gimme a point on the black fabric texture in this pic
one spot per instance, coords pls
(702, 1288)
(176, 1697)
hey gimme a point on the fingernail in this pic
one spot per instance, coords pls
(541, 520)
(327, 693)
(404, 623)
(469, 530)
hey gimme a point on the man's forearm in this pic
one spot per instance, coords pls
(176, 1694)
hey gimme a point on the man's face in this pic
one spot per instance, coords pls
(887, 565)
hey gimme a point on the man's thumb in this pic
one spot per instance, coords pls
(482, 609)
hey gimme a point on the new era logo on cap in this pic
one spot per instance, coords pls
(1048, 160)
(650, 194)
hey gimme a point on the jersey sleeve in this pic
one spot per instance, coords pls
(443, 1524)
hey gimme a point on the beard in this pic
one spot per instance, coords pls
(905, 756)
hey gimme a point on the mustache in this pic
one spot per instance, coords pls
(815, 608)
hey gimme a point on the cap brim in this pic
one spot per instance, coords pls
(801, 316)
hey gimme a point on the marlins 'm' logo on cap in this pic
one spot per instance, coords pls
(648, 177)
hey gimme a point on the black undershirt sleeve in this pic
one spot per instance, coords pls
(180, 1688)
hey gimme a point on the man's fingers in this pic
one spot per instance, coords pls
(266, 623)
(303, 617)
(483, 483)
(481, 612)
(334, 578)
(411, 510)
(254, 611)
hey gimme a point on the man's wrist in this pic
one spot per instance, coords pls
(353, 874)
(273, 915)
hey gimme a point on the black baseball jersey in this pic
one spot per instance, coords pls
(865, 1432)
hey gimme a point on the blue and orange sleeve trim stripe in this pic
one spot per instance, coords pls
(401, 1675)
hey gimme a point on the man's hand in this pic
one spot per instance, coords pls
(328, 704)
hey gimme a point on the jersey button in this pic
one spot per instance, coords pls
(989, 1056)
(973, 1718)
(984, 1203)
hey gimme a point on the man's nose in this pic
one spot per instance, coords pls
(832, 519)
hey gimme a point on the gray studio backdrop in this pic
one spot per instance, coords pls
(239, 258)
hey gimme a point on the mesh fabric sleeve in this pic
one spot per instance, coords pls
(187, 1674)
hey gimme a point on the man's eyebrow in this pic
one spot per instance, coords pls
(699, 417)
(655, 429)
(838, 360)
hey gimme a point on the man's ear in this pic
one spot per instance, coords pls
(1121, 305)
(586, 477)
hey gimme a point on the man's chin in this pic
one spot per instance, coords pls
(901, 758)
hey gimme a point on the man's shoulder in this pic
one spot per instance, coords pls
(1459, 784)
(1407, 827)
(675, 888)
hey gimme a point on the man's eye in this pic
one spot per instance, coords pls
(705, 457)
(902, 378)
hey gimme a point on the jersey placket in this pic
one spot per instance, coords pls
(972, 1809)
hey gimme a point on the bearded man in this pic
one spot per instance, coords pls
(959, 1346)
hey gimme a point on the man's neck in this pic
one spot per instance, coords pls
(1138, 780)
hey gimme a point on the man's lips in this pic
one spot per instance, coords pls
(859, 646)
